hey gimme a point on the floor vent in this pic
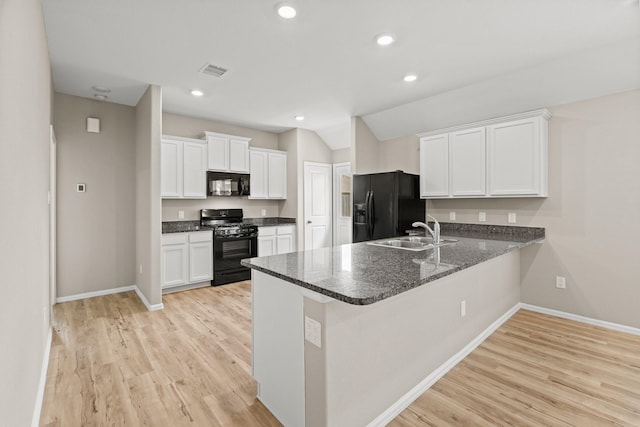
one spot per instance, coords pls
(213, 70)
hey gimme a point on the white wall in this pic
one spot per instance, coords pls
(364, 148)
(96, 229)
(288, 141)
(25, 115)
(591, 214)
(173, 124)
(400, 154)
(148, 202)
(341, 156)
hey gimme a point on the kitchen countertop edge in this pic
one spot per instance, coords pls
(535, 235)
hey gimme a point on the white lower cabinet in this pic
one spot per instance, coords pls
(175, 253)
(275, 240)
(187, 258)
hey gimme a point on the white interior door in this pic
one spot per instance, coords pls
(52, 216)
(317, 205)
(342, 203)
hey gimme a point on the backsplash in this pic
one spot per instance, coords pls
(191, 208)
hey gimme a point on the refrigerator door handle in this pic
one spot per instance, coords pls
(370, 211)
(367, 214)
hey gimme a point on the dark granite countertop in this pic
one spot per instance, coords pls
(194, 225)
(268, 221)
(363, 274)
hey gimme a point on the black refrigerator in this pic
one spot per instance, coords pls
(385, 205)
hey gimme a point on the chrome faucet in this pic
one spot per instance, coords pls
(435, 233)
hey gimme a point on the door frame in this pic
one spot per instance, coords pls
(53, 154)
(306, 164)
(337, 201)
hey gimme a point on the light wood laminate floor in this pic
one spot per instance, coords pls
(113, 363)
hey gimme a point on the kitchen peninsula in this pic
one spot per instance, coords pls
(342, 335)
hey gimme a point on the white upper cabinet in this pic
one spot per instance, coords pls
(434, 166)
(503, 157)
(171, 169)
(259, 179)
(184, 168)
(227, 153)
(268, 174)
(277, 165)
(518, 158)
(195, 170)
(467, 154)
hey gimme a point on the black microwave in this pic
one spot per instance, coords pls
(227, 184)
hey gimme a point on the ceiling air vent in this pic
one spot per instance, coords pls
(213, 70)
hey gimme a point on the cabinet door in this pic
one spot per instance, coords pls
(514, 158)
(284, 244)
(238, 155)
(195, 171)
(171, 169)
(174, 265)
(259, 174)
(266, 245)
(218, 148)
(434, 166)
(467, 158)
(277, 167)
(200, 261)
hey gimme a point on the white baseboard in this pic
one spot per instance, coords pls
(403, 403)
(95, 294)
(150, 307)
(35, 420)
(582, 319)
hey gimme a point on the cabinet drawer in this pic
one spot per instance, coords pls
(174, 238)
(284, 229)
(200, 236)
(266, 231)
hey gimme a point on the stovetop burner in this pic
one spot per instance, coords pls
(226, 222)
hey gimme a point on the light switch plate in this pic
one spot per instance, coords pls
(561, 282)
(312, 331)
(180, 214)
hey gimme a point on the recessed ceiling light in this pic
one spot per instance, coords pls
(299, 118)
(410, 78)
(385, 39)
(286, 11)
(100, 97)
(197, 92)
(101, 89)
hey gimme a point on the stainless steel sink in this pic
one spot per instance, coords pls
(411, 243)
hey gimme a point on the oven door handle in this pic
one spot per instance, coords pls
(230, 237)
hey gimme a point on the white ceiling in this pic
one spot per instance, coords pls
(474, 59)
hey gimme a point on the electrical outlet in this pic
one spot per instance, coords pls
(511, 217)
(312, 331)
(561, 282)
(452, 216)
(482, 216)
(463, 308)
(140, 268)
(180, 214)
(263, 212)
